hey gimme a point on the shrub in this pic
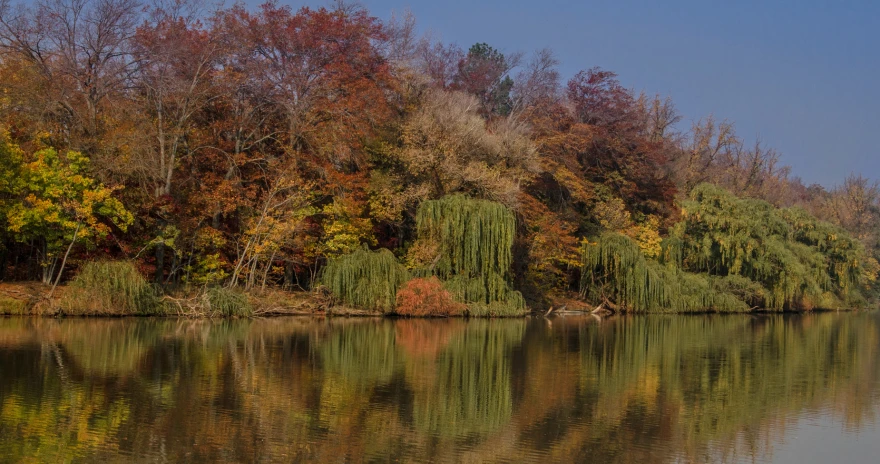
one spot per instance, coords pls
(111, 287)
(229, 302)
(426, 297)
(12, 306)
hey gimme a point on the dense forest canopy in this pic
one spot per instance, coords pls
(250, 147)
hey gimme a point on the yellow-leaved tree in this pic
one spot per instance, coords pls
(55, 205)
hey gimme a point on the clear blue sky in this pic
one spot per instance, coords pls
(804, 76)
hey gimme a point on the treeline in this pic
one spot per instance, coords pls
(250, 147)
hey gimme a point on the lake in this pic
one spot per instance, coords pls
(628, 389)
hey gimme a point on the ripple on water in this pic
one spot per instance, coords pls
(767, 388)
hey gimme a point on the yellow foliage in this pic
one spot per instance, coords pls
(870, 270)
(612, 214)
(344, 231)
(647, 236)
(421, 254)
(61, 203)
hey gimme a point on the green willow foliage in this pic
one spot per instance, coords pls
(615, 269)
(111, 287)
(801, 262)
(366, 279)
(730, 254)
(475, 239)
(228, 302)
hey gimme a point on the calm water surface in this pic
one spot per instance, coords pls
(649, 389)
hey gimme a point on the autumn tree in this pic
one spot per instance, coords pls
(537, 85)
(439, 62)
(318, 67)
(447, 147)
(606, 142)
(855, 206)
(177, 59)
(58, 207)
(82, 50)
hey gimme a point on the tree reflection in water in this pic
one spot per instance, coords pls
(626, 389)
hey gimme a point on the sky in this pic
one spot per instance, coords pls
(803, 76)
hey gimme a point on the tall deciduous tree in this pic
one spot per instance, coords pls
(83, 50)
(319, 67)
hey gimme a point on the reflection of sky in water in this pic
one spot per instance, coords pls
(822, 439)
(756, 388)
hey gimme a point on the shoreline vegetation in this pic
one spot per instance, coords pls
(207, 163)
(29, 299)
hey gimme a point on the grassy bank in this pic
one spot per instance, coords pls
(30, 299)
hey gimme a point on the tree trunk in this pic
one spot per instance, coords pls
(288, 275)
(64, 261)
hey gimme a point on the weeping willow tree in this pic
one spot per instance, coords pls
(615, 271)
(730, 254)
(366, 279)
(800, 261)
(474, 239)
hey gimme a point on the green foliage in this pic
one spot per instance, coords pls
(12, 306)
(59, 196)
(228, 302)
(477, 292)
(474, 238)
(111, 287)
(800, 261)
(729, 254)
(366, 279)
(615, 269)
(11, 181)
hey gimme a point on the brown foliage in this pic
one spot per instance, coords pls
(449, 146)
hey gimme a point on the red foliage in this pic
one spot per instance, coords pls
(425, 298)
(600, 100)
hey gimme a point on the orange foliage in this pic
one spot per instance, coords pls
(426, 298)
(426, 339)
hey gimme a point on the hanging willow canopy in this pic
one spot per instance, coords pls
(475, 239)
(730, 254)
(800, 261)
(366, 279)
(616, 270)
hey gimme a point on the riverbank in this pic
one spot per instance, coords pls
(31, 299)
